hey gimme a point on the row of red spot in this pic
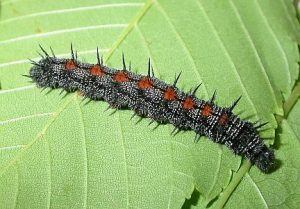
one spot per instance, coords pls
(144, 83)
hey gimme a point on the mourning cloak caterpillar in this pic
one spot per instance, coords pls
(150, 97)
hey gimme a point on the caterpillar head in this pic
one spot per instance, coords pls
(264, 159)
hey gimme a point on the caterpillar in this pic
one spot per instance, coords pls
(151, 97)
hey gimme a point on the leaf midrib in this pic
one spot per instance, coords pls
(39, 135)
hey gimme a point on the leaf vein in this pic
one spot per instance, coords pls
(68, 10)
(20, 146)
(258, 191)
(18, 186)
(85, 156)
(125, 161)
(252, 44)
(284, 55)
(63, 31)
(23, 88)
(49, 167)
(227, 55)
(38, 136)
(93, 51)
(183, 44)
(25, 117)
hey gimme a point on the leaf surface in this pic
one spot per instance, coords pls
(59, 152)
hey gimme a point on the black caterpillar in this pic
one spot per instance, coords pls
(150, 97)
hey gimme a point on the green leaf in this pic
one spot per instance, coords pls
(57, 151)
(280, 189)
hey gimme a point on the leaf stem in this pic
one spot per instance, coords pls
(291, 101)
(237, 177)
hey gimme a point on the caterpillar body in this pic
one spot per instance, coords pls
(151, 97)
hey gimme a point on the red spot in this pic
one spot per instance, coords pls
(121, 77)
(70, 65)
(145, 83)
(96, 70)
(188, 103)
(169, 94)
(223, 119)
(206, 111)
